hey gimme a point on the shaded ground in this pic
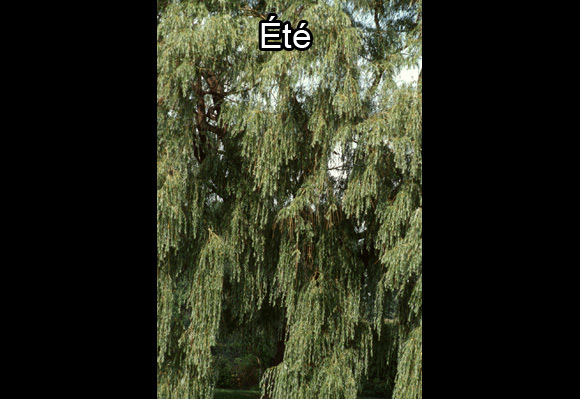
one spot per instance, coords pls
(233, 394)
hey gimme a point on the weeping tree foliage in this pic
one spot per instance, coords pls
(290, 195)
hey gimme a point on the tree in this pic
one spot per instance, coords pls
(290, 194)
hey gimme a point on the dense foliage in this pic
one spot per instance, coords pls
(290, 195)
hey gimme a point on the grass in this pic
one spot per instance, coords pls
(233, 394)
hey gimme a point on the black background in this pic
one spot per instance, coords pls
(98, 334)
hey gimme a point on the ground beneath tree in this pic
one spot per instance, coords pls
(233, 394)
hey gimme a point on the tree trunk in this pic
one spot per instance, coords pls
(280, 347)
(279, 357)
